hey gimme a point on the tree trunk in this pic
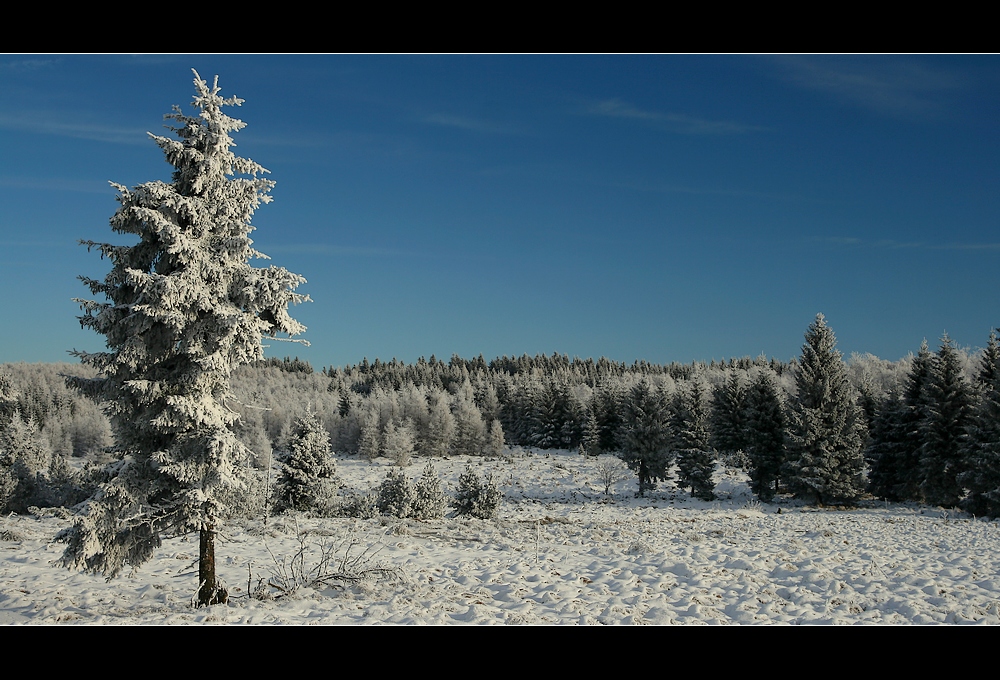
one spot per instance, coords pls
(209, 590)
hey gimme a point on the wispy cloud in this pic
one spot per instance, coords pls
(890, 244)
(673, 122)
(471, 124)
(46, 125)
(57, 184)
(26, 65)
(329, 249)
(889, 86)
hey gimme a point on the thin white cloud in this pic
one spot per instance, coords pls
(889, 86)
(57, 184)
(673, 122)
(891, 244)
(329, 249)
(27, 65)
(45, 125)
(471, 124)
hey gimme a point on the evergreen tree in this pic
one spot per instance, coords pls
(981, 451)
(689, 434)
(907, 456)
(948, 414)
(989, 364)
(477, 496)
(495, 441)
(308, 478)
(826, 431)
(592, 434)
(764, 417)
(397, 443)
(430, 501)
(646, 440)
(25, 459)
(396, 494)
(890, 450)
(184, 309)
(726, 417)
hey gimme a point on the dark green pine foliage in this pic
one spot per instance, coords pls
(726, 417)
(947, 415)
(826, 429)
(764, 414)
(606, 405)
(982, 447)
(689, 434)
(308, 476)
(890, 450)
(591, 434)
(645, 445)
(906, 457)
(558, 417)
(989, 367)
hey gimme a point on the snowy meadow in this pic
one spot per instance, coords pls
(560, 551)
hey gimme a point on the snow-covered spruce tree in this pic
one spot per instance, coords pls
(308, 477)
(689, 436)
(826, 431)
(429, 500)
(477, 496)
(981, 451)
(184, 308)
(905, 461)
(726, 417)
(947, 415)
(764, 415)
(889, 447)
(645, 445)
(25, 459)
(396, 494)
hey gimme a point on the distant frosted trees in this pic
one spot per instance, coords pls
(826, 431)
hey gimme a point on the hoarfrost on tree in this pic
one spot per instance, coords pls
(183, 308)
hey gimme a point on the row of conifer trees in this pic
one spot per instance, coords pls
(926, 428)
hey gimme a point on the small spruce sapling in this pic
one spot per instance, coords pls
(396, 494)
(308, 478)
(476, 496)
(430, 501)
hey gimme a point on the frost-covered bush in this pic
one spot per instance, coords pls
(430, 501)
(250, 498)
(396, 495)
(477, 496)
(360, 506)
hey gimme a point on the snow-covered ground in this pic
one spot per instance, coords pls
(560, 552)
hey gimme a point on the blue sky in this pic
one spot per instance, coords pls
(667, 208)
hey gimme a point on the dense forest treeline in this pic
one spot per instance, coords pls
(925, 428)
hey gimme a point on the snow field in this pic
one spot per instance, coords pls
(560, 552)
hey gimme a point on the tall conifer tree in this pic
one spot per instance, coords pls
(826, 432)
(948, 414)
(764, 415)
(184, 308)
